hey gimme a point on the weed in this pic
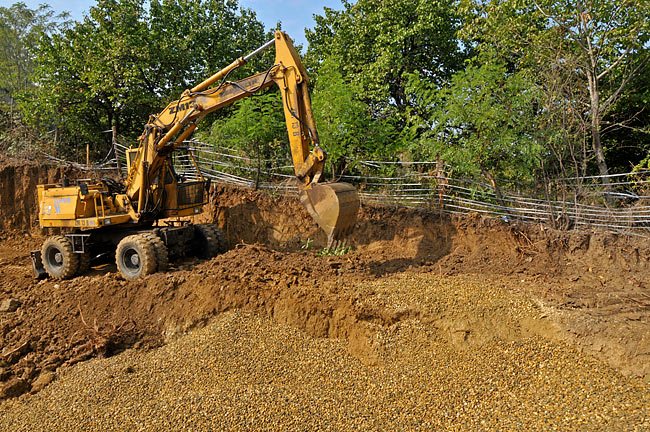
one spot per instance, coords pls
(307, 244)
(340, 249)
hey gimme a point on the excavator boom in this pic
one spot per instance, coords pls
(132, 218)
(334, 206)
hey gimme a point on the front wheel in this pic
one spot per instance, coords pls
(162, 254)
(59, 260)
(135, 257)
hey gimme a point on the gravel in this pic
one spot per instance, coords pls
(459, 355)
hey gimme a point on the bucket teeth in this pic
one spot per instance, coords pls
(333, 243)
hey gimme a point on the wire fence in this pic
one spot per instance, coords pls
(566, 203)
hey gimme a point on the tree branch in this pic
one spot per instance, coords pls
(611, 28)
(613, 65)
(557, 22)
(610, 100)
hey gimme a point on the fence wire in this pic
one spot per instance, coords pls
(578, 202)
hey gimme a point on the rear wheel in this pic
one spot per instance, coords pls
(135, 257)
(59, 260)
(84, 263)
(162, 255)
(209, 240)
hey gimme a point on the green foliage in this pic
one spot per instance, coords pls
(380, 42)
(20, 29)
(628, 127)
(307, 244)
(255, 126)
(347, 130)
(585, 54)
(338, 250)
(484, 122)
(391, 80)
(125, 61)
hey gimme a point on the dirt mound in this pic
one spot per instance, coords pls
(63, 322)
(593, 283)
(391, 239)
(274, 219)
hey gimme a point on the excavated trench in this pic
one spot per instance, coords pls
(586, 288)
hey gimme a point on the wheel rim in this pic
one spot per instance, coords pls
(131, 261)
(54, 257)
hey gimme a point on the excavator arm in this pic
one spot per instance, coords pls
(334, 206)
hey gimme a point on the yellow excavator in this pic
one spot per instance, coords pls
(139, 218)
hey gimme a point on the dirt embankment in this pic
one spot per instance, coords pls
(591, 286)
(18, 197)
(594, 284)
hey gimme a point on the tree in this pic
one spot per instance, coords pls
(604, 41)
(483, 122)
(378, 43)
(627, 126)
(20, 28)
(125, 61)
(347, 130)
(256, 127)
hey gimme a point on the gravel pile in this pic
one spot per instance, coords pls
(459, 356)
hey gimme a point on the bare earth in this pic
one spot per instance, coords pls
(431, 322)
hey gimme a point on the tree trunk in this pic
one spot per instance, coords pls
(598, 150)
(495, 186)
(259, 166)
(596, 144)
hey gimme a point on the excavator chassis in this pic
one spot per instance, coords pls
(138, 251)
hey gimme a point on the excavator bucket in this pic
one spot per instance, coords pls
(334, 207)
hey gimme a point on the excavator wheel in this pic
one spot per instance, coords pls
(208, 240)
(162, 254)
(218, 234)
(59, 261)
(135, 257)
(84, 263)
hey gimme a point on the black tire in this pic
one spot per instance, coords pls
(58, 259)
(162, 255)
(218, 234)
(135, 257)
(208, 241)
(84, 263)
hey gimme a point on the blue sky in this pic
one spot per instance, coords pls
(294, 14)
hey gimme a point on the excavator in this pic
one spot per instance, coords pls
(143, 219)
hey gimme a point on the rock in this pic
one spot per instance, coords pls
(13, 388)
(9, 305)
(29, 373)
(43, 380)
(51, 363)
(15, 354)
